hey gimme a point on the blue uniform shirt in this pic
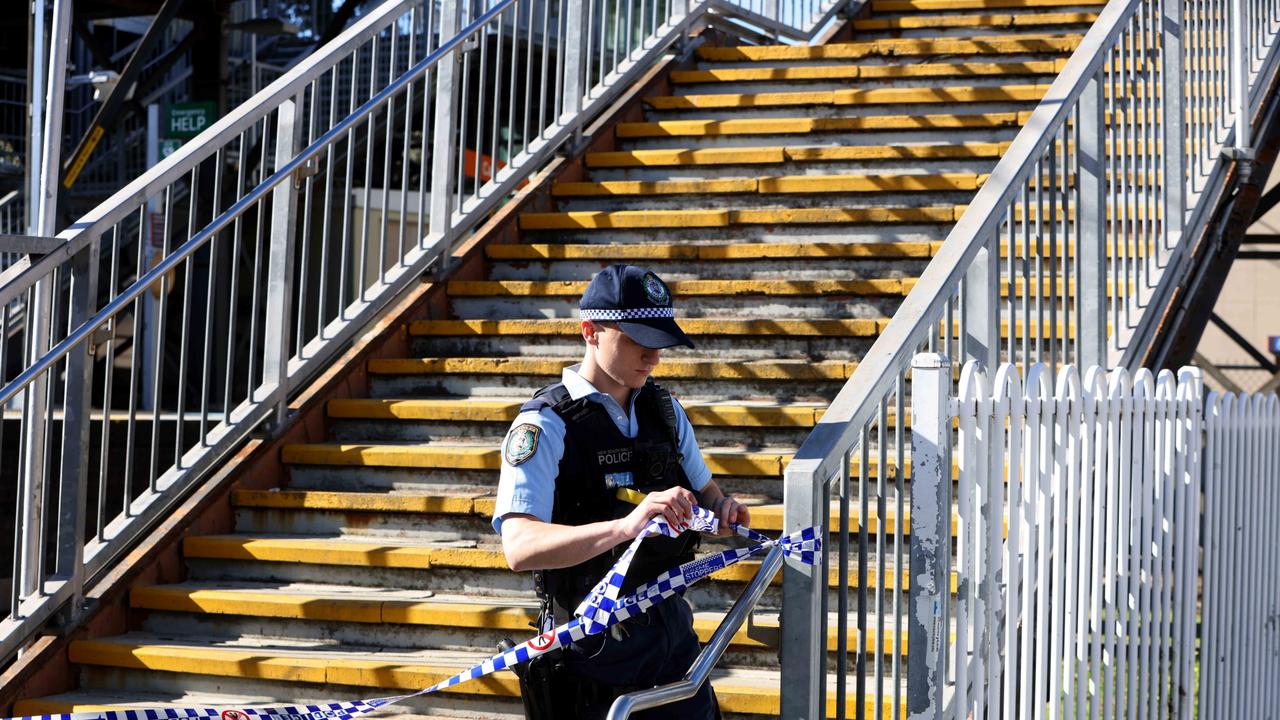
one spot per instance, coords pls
(529, 488)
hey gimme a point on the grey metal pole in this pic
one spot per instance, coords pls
(1091, 296)
(284, 212)
(928, 607)
(1173, 122)
(443, 149)
(38, 309)
(804, 594)
(36, 147)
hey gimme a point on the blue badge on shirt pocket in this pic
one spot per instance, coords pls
(613, 481)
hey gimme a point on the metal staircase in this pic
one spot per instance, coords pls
(802, 200)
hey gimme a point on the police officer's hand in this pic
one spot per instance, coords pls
(729, 512)
(675, 504)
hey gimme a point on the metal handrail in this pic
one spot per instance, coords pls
(702, 666)
(262, 190)
(1142, 72)
(268, 224)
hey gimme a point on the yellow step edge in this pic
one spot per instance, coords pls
(801, 126)
(869, 72)
(457, 457)
(888, 182)
(682, 288)
(865, 96)
(904, 46)
(700, 156)
(668, 368)
(321, 551)
(739, 251)
(639, 219)
(495, 616)
(475, 410)
(316, 668)
(888, 6)
(766, 518)
(776, 155)
(1006, 20)
(692, 326)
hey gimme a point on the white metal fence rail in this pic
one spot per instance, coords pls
(1240, 630)
(206, 293)
(1077, 543)
(1055, 260)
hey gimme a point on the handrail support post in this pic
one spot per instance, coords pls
(444, 153)
(1174, 122)
(930, 594)
(73, 488)
(1091, 270)
(804, 598)
(279, 298)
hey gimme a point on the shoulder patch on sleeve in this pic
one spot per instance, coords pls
(521, 443)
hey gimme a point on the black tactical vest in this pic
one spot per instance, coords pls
(598, 459)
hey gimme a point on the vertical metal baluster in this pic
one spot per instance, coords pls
(528, 75)
(347, 259)
(135, 356)
(545, 114)
(428, 81)
(460, 179)
(380, 250)
(842, 595)
(158, 359)
(1040, 263)
(481, 117)
(233, 285)
(406, 142)
(511, 85)
(864, 512)
(184, 335)
(327, 216)
(107, 376)
(882, 512)
(900, 519)
(498, 82)
(1019, 212)
(207, 364)
(255, 280)
(1010, 284)
(1049, 290)
(304, 239)
(362, 260)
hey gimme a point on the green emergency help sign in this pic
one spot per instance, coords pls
(185, 120)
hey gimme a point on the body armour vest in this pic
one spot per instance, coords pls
(597, 460)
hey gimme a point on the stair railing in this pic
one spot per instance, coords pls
(1058, 257)
(206, 294)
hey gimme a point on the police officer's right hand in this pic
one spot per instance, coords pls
(675, 504)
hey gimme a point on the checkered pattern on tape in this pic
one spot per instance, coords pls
(629, 314)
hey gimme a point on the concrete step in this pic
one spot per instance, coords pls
(976, 45)
(899, 128)
(767, 299)
(697, 380)
(689, 162)
(722, 218)
(247, 664)
(812, 339)
(754, 424)
(842, 104)
(484, 563)
(880, 7)
(411, 621)
(737, 262)
(967, 23)
(405, 509)
(756, 79)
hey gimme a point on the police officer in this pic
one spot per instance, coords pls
(607, 425)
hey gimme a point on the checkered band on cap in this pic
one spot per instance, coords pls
(634, 314)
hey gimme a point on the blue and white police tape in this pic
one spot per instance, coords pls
(601, 610)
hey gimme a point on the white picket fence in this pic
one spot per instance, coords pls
(1077, 566)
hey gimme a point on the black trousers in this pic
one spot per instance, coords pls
(655, 649)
